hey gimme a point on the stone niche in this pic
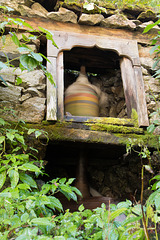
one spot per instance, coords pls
(103, 69)
(113, 65)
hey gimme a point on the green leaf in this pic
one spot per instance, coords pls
(5, 195)
(31, 131)
(2, 122)
(157, 177)
(72, 196)
(41, 222)
(38, 133)
(19, 138)
(131, 219)
(50, 77)
(3, 65)
(54, 203)
(81, 208)
(137, 209)
(4, 236)
(37, 56)
(15, 39)
(45, 58)
(59, 238)
(153, 49)
(46, 188)
(70, 180)
(157, 122)
(14, 177)
(3, 81)
(117, 212)
(18, 80)
(23, 186)
(151, 128)
(30, 167)
(26, 24)
(125, 204)
(25, 178)
(22, 237)
(65, 188)
(28, 62)
(156, 185)
(155, 64)
(10, 136)
(157, 201)
(76, 190)
(150, 26)
(2, 25)
(2, 139)
(62, 180)
(24, 49)
(113, 233)
(2, 178)
(25, 217)
(49, 35)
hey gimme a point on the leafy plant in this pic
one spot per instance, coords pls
(24, 208)
(29, 60)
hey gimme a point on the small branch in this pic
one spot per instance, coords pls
(144, 220)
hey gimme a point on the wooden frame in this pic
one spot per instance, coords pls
(130, 70)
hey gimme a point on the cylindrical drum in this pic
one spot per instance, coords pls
(82, 101)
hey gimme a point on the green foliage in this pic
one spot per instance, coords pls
(29, 60)
(122, 3)
(100, 223)
(24, 208)
(155, 49)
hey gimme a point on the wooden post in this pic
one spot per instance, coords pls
(51, 90)
(141, 101)
(60, 85)
(81, 176)
(129, 84)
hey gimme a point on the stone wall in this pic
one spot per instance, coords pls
(29, 98)
(26, 100)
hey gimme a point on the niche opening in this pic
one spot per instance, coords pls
(127, 52)
(103, 71)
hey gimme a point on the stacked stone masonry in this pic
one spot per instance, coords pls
(29, 98)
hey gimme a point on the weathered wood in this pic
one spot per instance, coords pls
(141, 101)
(60, 85)
(81, 175)
(67, 41)
(108, 120)
(129, 85)
(131, 77)
(51, 90)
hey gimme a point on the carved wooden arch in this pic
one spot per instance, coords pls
(129, 64)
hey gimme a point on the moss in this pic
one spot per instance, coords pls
(149, 14)
(114, 121)
(106, 134)
(134, 116)
(121, 125)
(115, 129)
(139, 140)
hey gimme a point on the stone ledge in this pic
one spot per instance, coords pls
(60, 132)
